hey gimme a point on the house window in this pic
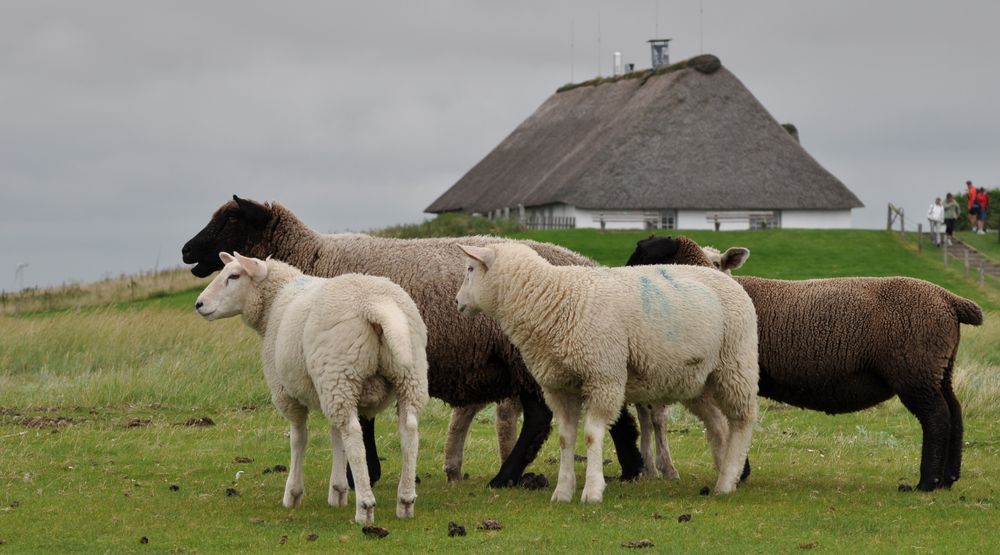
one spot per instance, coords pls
(764, 220)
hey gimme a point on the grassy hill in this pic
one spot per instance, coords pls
(95, 405)
(796, 254)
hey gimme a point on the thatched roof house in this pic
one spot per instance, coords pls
(681, 146)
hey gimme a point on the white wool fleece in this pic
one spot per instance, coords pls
(343, 346)
(649, 334)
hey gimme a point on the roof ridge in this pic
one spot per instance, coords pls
(705, 63)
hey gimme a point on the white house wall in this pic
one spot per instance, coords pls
(688, 219)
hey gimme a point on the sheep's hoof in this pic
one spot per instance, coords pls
(562, 496)
(929, 485)
(404, 507)
(338, 496)
(365, 516)
(454, 475)
(592, 495)
(670, 474)
(293, 498)
(498, 482)
(724, 489)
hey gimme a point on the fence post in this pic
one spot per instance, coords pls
(888, 217)
(944, 248)
(982, 274)
(966, 263)
(902, 227)
(920, 237)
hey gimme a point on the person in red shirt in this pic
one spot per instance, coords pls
(971, 192)
(983, 200)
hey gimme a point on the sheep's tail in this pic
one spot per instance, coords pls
(395, 329)
(968, 312)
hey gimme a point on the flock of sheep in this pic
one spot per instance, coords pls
(350, 323)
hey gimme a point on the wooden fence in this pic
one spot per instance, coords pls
(550, 222)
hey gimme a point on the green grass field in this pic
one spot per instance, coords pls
(94, 406)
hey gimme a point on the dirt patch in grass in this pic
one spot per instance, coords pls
(138, 423)
(46, 421)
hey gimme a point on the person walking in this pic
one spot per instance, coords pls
(951, 212)
(970, 191)
(935, 215)
(983, 200)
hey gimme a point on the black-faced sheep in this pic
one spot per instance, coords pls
(471, 361)
(615, 335)
(343, 346)
(845, 344)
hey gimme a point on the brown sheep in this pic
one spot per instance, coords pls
(471, 361)
(846, 344)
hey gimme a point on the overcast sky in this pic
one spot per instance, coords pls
(125, 124)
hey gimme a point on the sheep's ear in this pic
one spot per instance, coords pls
(225, 257)
(734, 257)
(256, 215)
(254, 267)
(482, 254)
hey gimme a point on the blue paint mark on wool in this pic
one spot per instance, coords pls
(670, 279)
(302, 281)
(654, 303)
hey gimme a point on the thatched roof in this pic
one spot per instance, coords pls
(686, 137)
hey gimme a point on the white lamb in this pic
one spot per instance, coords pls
(343, 345)
(652, 334)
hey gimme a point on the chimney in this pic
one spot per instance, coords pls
(658, 49)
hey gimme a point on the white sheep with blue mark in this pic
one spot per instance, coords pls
(607, 336)
(653, 418)
(344, 346)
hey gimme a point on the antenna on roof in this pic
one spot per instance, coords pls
(656, 27)
(572, 48)
(701, 26)
(598, 40)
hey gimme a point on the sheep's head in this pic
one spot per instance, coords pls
(237, 225)
(681, 250)
(667, 250)
(227, 294)
(478, 261)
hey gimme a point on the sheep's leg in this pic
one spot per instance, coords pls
(297, 438)
(364, 499)
(371, 452)
(664, 463)
(454, 446)
(932, 411)
(645, 413)
(953, 467)
(737, 447)
(739, 404)
(409, 439)
(508, 411)
(594, 427)
(716, 426)
(534, 431)
(566, 408)
(623, 434)
(337, 496)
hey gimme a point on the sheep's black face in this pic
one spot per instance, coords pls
(237, 225)
(654, 250)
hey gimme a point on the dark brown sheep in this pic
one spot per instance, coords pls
(470, 360)
(846, 344)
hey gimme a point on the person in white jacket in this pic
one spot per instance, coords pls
(935, 215)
